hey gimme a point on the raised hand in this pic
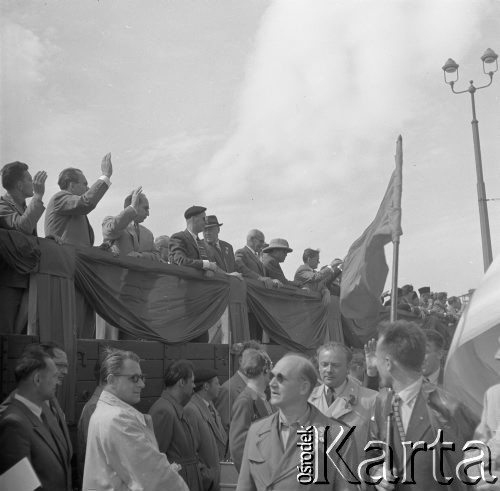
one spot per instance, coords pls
(336, 263)
(39, 184)
(107, 166)
(136, 197)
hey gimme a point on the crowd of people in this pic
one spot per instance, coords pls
(125, 235)
(257, 418)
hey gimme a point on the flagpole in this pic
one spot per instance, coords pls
(395, 236)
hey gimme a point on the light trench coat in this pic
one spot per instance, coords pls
(122, 452)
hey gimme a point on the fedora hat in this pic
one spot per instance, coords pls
(211, 221)
(277, 244)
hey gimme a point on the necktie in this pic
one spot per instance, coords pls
(202, 249)
(137, 232)
(287, 431)
(330, 396)
(212, 412)
(396, 408)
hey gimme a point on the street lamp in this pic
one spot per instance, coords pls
(449, 68)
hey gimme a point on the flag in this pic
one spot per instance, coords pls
(471, 367)
(365, 268)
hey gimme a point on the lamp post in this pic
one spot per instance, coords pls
(450, 67)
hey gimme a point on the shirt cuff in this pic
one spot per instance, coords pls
(106, 180)
(205, 264)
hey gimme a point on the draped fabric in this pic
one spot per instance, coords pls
(164, 302)
(294, 318)
(19, 251)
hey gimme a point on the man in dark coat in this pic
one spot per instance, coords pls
(186, 248)
(249, 264)
(221, 251)
(15, 214)
(24, 429)
(274, 254)
(172, 429)
(417, 410)
(210, 437)
(232, 387)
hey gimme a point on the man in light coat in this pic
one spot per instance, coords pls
(272, 457)
(340, 395)
(122, 451)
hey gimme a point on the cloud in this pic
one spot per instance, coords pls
(329, 87)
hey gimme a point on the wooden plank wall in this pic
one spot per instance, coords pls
(11, 347)
(155, 358)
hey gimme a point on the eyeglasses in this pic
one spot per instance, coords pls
(133, 378)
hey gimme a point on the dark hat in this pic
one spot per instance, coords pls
(202, 374)
(211, 221)
(424, 289)
(277, 244)
(193, 211)
(406, 289)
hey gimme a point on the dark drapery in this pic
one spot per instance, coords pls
(165, 302)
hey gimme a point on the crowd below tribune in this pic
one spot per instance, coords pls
(266, 414)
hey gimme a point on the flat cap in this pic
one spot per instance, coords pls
(193, 211)
(202, 374)
(424, 289)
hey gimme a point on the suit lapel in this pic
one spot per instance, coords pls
(133, 236)
(215, 426)
(40, 429)
(190, 240)
(269, 447)
(419, 422)
(256, 260)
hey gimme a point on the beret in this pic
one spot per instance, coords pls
(193, 211)
(202, 374)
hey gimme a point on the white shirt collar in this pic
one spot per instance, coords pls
(338, 390)
(34, 408)
(409, 394)
(434, 376)
(195, 237)
(253, 252)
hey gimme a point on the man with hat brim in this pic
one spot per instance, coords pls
(274, 254)
(185, 248)
(222, 252)
(204, 420)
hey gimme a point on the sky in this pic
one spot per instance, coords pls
(279, 115)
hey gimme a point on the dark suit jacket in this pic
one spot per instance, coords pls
(273, 270)
(223, 258)
(248, 264)
(209, 435)
(267, 466)
(66, 214)
(183, 250)
(22, 434)
(433, 409)
(175, 439)
(228, 393)
(247, 408)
